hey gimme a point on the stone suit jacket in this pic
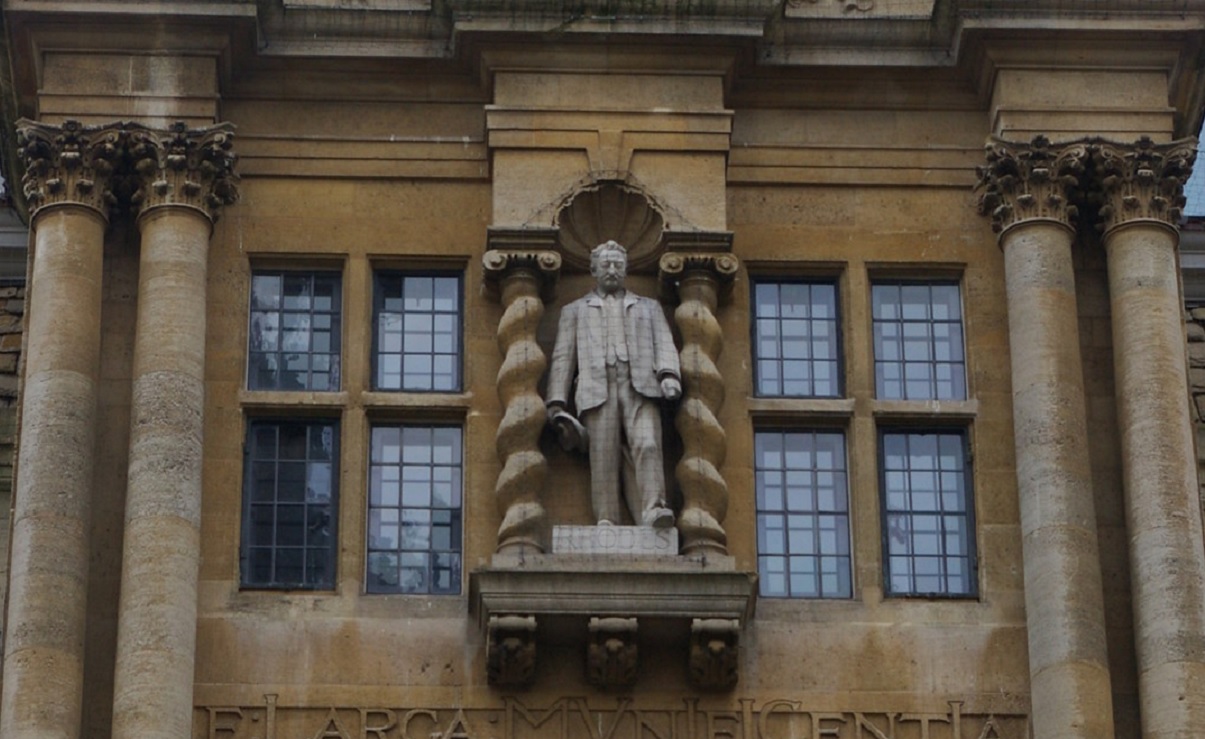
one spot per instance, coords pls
(581, 350)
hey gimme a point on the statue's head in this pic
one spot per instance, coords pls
(609, 265)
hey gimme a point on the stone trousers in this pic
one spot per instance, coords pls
(625, 443)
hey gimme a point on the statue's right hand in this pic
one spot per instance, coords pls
(552, 411)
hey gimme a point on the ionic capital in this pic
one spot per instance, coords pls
(544, 266)
(677, 266)
(1030, 181)
(68, 164)
(1143, 180)
(182, 166)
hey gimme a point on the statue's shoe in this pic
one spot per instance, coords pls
(659, 518)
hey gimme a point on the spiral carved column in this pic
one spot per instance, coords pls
(699, 280)
(519, 277)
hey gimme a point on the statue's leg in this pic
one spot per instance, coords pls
(642, 427)
(603, 424)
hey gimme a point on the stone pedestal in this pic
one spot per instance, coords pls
(1025, 191)
(186, 177)
(66, 183)
(1143, 185)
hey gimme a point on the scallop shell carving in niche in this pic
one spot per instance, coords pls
(605, 212)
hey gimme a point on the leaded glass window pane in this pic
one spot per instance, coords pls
(918, 341)
(418, 333)
(289, 505)
(927, 514)
(796, 341)
(414, 510)
(294, 334)
(802, 514)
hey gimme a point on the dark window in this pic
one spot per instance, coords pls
(928, 534)
(290, 504)
(918, 346)
(294, 335)
(796, 339)
(417, 338)
(802, 514)
(414, 510)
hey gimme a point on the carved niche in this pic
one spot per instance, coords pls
(610, 211)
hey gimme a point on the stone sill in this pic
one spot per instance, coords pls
(670, 587)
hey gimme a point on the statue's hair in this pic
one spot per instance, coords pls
(606, 246)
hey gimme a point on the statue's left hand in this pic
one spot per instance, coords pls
(671, 389)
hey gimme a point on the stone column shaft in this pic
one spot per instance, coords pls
(156, 643)
(1025, 191)
(520, 278)
(697, 280)
(67, 171)
(1143, 186)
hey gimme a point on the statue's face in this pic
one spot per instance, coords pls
(609, 270)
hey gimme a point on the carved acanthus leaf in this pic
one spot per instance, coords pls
(1021, 182)
(183, 166)
(71, 163)
(1143, 180)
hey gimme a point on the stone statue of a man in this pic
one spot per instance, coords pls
(619, 347)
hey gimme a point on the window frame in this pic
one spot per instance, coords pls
(337, 331)
(458, 524)
(807, 428)
(968, 474)
(378, 304)
(838, 328)
(245, 534)
(917, 281)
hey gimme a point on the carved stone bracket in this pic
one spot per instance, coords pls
(1037, 180)
(699, 281)
(714, 652)
(184, 167)
(511, 650)
(69, 164)
(1143, 180)
(611, 656)
(518, 279)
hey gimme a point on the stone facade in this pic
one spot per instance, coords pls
(285, 468)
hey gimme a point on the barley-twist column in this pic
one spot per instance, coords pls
(1143, 187)
(520, 278)
(185, 177)
(1025, 190)
(68, 169)
(699, 280)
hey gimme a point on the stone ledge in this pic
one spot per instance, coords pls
(670, 587)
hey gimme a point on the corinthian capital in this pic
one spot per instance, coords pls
(71, 163)
(1036, 180)
(183, 166)
(1143, 180)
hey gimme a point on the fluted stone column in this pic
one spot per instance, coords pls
(520, 279)
(185, 176)
(1143, 186)
(1025, 190)
(699, 280)
(67, 175)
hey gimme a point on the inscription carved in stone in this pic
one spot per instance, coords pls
(620, 717)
